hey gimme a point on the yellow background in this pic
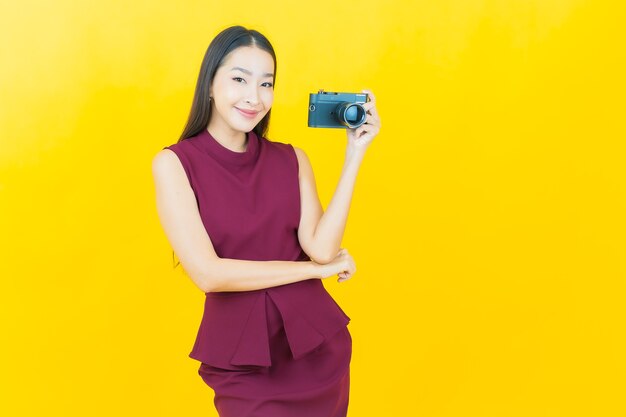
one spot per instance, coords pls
(487, 224)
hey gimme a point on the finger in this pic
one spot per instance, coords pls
(370, 107)
(368, 127)
(371, 120)
(367, 106)
(372, 111)
(370, 95)
(359, 130)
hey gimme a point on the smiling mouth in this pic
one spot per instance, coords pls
(249, 114)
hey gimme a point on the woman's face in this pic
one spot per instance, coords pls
(242, 90)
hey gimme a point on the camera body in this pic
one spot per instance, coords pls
(337, 110)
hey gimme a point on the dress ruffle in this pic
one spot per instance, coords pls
(234, 327)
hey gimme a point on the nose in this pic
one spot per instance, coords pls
(252, 96)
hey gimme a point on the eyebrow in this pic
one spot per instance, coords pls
(245, 71)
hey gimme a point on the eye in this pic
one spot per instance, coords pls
(270, 85)
(238, 78)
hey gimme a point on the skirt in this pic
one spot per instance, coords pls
(315, 385)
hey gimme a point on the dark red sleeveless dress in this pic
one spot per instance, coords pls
(283, 351)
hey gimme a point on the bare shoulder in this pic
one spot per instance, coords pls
(303, 159)
(299, 152)
(166, 163)
(304, 164)
(164, 158)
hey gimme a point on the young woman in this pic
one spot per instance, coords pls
(243, 216)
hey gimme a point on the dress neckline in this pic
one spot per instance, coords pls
(210, 145)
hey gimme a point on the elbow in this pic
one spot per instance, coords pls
(207, 286)
(323, 258)
(210, 285)
(208, 281)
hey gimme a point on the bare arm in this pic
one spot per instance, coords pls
(243, 275)
(320, 233)
(178, 213)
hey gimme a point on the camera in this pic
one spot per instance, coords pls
(332, 109)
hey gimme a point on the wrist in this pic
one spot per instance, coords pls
(318, 270)
(355, 154)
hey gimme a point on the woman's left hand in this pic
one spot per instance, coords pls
(361, 137)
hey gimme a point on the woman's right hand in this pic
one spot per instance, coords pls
(343, 266)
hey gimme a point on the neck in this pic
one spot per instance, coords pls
(235, 141)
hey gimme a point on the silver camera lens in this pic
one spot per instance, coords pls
(351, 115)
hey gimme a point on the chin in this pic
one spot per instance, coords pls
(242, 129)
(246, 126)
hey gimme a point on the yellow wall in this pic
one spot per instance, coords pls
(487, 224)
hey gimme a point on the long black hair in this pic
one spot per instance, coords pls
(225, 42)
